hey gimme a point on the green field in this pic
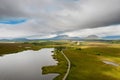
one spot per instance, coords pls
(8, 48)
(60, 68)
(87, 63)
(86, 59)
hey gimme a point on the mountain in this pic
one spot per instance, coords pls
(92, 37)
(20, 39)
(111, 37)
(15, 39)
(60, 37)
(64, 37)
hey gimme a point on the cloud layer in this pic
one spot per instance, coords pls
(52, 17)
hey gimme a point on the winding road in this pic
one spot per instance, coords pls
(69, 66)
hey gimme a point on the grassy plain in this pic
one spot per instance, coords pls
(8, 48)
(86, 59)
(87, 62)
(60, 68)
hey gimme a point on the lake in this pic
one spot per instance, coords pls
(26, 65)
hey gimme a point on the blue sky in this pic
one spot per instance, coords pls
(13, 21)
(49, 18)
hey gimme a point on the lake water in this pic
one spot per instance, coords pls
(27, 65)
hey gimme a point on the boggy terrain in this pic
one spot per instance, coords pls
(100, 61)
(89, 60)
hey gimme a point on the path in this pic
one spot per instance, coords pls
(69, 66)
(111, 63)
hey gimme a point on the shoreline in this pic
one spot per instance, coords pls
(60, 68)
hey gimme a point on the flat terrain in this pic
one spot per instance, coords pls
(87, 63)
(89, 60)
(8, 48)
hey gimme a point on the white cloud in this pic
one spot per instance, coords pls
(101, 31)
(42, 37)
(46, 17)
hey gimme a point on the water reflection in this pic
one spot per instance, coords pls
(26, 65)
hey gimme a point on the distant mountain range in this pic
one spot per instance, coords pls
(60, 37)
(66, 37)
(111, 38)
(15, 39)
(92, 37)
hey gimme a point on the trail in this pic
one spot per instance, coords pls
(69, 66)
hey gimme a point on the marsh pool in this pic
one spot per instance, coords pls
(26, 65)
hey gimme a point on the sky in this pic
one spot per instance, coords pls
(38, 19)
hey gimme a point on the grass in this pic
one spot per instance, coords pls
(60, 68)
(86, 64)
(8, 48)
(86, 59)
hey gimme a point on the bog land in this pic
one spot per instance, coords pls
(89, 60)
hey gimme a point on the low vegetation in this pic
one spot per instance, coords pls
(60, 68)
(86, 59)
(8, 48)
(86, 64)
